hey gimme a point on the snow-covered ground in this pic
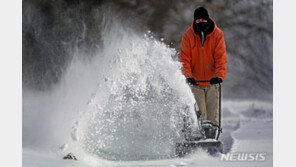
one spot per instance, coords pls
(124, 108)
(247, 128)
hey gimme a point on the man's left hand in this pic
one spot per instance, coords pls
(215, 80)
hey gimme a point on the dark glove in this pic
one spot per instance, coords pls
(215, 80)
(191, 81)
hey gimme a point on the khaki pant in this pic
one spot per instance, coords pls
(208, 102)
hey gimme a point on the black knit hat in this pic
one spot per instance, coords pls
(201, 13)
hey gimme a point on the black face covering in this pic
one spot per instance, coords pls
(202, 26)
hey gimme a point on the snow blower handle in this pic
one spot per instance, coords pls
(203, 81)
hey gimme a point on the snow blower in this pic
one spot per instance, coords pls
(207, 137)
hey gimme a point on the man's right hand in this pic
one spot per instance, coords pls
(191, 81)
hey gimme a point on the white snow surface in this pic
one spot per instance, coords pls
(241, 134)
(124, 108)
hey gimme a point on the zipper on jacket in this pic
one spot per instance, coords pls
(202, 55)
(202, 48)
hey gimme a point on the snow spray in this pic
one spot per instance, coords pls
(126, 103)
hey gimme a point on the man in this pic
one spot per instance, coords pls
(203, 55)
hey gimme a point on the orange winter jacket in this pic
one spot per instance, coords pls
(203, 62)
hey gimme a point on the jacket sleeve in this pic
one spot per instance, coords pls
(220, 57)
(185, 56)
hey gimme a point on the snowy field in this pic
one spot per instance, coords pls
(247, 128)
